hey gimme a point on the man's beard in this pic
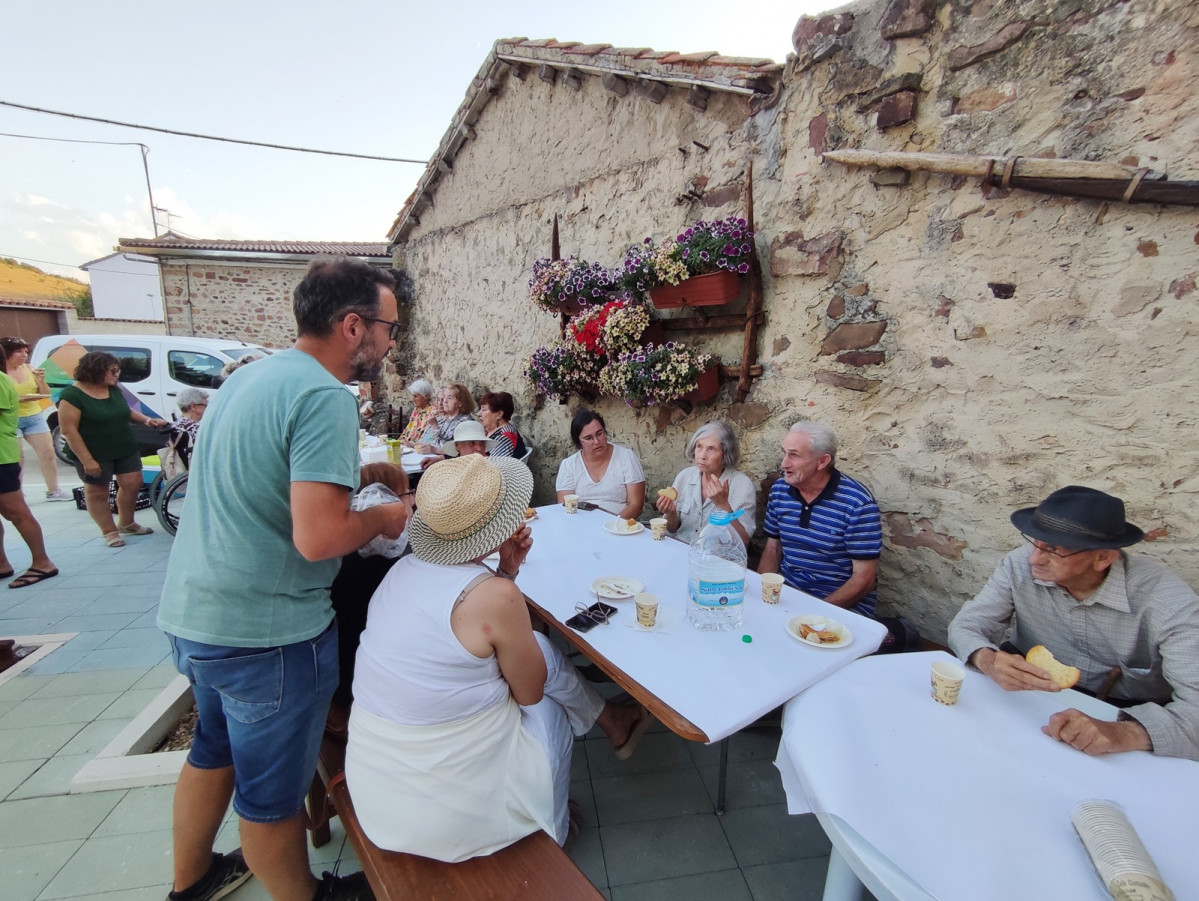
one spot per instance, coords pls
(366, 367)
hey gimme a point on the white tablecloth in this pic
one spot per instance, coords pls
(714, 679)
(974, 801)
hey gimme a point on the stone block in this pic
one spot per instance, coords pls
(985, 99)
(1181, 287)
(890, 178)
(907, 18)
(791, 254)
(836, 307)
(853, 336)
(862, 357)
(898, 109)
(845, 380)
(940, 362)
(962, 57)
(817, 131)
(816, 39)
(748, 415)
(902, 532)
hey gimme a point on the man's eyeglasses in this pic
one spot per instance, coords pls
(393, 328)
(1049, 549)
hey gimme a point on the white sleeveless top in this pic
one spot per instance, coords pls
(437, 761)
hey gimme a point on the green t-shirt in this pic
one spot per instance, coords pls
(235, 578)
(10, 444)
(103, 424)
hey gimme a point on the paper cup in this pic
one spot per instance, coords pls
(647, 609)
(571, 502)
(658, 525)
(772, 587)
(947, 682)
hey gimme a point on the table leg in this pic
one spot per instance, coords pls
(720, 783)
(841, 883)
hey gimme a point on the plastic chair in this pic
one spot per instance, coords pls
(528, 453)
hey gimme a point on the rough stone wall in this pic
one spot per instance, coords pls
(224, 300)
(973, 349)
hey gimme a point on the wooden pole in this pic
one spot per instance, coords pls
(749, 345)
(967, 164)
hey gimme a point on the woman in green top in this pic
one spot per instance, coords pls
(12, 499)
(94, 418)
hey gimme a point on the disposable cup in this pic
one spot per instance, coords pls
(571, 502)
(647, 609)
(772, 587)
(658, 525)
(947, 682)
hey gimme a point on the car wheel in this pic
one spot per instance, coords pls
(60, 445)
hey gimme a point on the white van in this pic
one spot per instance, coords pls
(154, 368)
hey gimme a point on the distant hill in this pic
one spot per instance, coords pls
(20, 281)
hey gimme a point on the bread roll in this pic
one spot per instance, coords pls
(1064, 676)
(668, 492)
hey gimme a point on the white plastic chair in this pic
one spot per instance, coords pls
(528, 453)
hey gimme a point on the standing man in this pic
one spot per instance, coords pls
(246, 600)
(824, 534)
(1129, 624)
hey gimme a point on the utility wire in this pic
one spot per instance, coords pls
(192, 134)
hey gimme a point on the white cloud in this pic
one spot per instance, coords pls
(28, 200)
(31, 235)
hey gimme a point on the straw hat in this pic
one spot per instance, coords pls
(1078, 517)
(467, 430)
(467, 507)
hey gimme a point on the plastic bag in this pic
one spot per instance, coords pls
(380, 546)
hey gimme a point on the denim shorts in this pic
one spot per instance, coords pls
(261, 711)
(34, 424)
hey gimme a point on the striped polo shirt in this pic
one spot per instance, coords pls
(821, 540)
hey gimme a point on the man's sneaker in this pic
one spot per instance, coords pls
(344, 888)
(225, 874)
(58, 495)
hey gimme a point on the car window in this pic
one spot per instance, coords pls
(135, 362)
(193, 368)
(236, 353)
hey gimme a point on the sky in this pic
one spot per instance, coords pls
(361, 76)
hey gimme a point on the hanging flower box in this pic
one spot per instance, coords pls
(570, 286)
(708, 387)
(708, 290)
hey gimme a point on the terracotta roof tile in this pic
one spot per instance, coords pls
(300, 248)
(44, 303)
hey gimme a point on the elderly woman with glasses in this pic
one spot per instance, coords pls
(423, 412)
(454, 405)
(94, 418)
(712, 484)
(607, 475)
(192, 404)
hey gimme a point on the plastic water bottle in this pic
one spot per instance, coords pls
(716, 575)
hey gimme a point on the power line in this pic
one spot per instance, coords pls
(191, 134)
(5, 134)
(10, 256)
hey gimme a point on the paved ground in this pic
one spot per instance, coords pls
(650, 831)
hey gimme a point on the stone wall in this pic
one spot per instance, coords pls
(974, 349)
(227, 300)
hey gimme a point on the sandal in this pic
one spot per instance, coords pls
(625, 751)
(114, 539)
(32, 576)
(134, 529)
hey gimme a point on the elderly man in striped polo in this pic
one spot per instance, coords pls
(823, 530)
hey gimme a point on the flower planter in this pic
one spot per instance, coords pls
(708, 387)
(708, 290)
(570, 306)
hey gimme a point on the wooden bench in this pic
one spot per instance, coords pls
(533, 869)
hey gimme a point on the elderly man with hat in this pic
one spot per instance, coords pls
(1126, 622)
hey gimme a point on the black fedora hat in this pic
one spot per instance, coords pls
(1080, 518)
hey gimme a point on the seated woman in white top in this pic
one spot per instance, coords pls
(461, 731)
(604, 474)
(712, 484)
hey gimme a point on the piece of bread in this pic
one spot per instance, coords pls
(1064, 676)
(530, 512)
(630, 523)
(668, 492)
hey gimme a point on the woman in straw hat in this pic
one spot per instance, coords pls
(460, 735)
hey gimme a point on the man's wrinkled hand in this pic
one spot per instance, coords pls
(515, 549)
(395, 517)
(1011, 672)
(1096, 737)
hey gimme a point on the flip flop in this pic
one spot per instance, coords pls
(32, 576)
(625, 751)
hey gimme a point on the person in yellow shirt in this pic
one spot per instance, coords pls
(31, 421)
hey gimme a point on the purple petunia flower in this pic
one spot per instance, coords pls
(743, 268)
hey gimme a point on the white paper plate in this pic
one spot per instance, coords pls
(616, 588)
(818, 622)
(620, 527)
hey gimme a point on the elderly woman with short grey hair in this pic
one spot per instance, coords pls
(423, 413)
(192, 404)
(713, 484)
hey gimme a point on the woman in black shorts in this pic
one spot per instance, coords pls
(94, 418)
